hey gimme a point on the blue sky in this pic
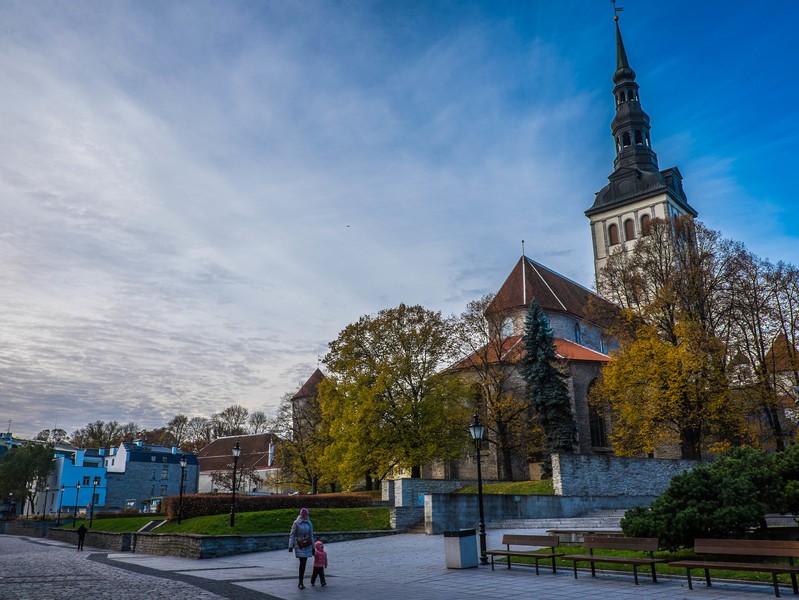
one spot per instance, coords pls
(195, 197)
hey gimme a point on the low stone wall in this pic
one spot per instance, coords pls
(27, 528)
(212, 546)
(410, 492)
(447, 512)
(118, 542)
(604, 475)
(405, 517)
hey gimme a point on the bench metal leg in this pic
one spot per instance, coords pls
(555, 570)
(536, 567)
(707, 577)
(690, 583)
(492, 562)
(509, 562)
(793, 583)
(593, 569)
(776, 586)
(654, 574)
(575, 568)
(635, 574)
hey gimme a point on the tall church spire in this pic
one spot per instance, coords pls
(637, 190)
(630, 126)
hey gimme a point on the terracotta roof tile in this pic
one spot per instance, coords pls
(308, 389)
(218, 455)
(512, 349)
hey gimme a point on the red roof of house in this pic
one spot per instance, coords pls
(218, 455)
(782, 357)
(530, 281)
(308, 389)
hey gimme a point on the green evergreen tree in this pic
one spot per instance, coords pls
(546, 388)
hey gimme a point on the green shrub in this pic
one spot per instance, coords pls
(724, 499)
(197, 505)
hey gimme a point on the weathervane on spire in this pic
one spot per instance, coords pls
(616, 10)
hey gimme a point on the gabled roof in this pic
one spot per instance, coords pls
(308, 389)
(530, 281)
(512, 349)
(218, 455)
(782, 357)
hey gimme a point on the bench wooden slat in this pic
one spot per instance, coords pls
(784, 548)
(517, 539)
(535, 541)
(621, 543)
(609, 558)
(735, 566)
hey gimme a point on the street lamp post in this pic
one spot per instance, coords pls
(477, 432)
(60, 499)
(75, 512)
(183, 462)
(236, 453)
(95, 483)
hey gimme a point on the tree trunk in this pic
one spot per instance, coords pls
(368, 480)
(690, 443)
(507, 465)
(314, 485)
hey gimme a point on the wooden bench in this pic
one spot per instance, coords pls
(538, 541)
(648, 545)
(749, 548)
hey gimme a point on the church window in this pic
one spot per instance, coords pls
(648, 143)
(639, 139)
(629, 230)
(645, 224)
(578, 337)
(599, 438)
(613, 234)
(507, 327)
(603, 346)
(625, 139)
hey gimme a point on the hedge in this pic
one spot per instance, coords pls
(198, 505)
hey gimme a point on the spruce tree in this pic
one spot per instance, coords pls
(546, 388)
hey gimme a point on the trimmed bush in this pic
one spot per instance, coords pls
(197, 505)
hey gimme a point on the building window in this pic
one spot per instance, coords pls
(163, 490)
(163, 459)
(597, 423)
(130, 503)
(152, 459)
(639, 139)
(165, 473)
(613, 234)
(625, 139)
(87, 480)
(578, 337)
(645, 224)
(629, 230)
(603, 347)
(507, 327)
(96, 499)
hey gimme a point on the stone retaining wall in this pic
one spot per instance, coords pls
(604, 475)
(405, 517)
(410, 492)
(449, 512)
(118, 542)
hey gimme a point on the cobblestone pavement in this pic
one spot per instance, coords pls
(399, 567)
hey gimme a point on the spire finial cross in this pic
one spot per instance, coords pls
(616, 10)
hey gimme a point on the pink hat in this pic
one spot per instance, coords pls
(304, 512)
(319, 545)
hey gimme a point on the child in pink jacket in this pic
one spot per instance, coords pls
(319, 563)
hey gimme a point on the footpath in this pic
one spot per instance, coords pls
(399, 567)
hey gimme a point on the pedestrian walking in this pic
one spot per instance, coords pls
(319, 563)
(81, 535)
(301, 541)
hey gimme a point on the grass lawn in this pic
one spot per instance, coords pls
(542, 487)
(268, 521)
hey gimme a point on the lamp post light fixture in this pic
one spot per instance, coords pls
(236, 454)
(477, 431)
(75, 512)
(95, 483)
(183, 462)
(60, 499)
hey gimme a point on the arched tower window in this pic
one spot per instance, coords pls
(639, 139)
(645, 224)
(625, 139)
(629, 230)
(613, 234)
(578, 336)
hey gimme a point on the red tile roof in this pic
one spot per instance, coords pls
(782, 357)
(218, 455)
(531, 280)
(308, 389)
(512, 349)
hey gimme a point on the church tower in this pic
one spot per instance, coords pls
(637, 191)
